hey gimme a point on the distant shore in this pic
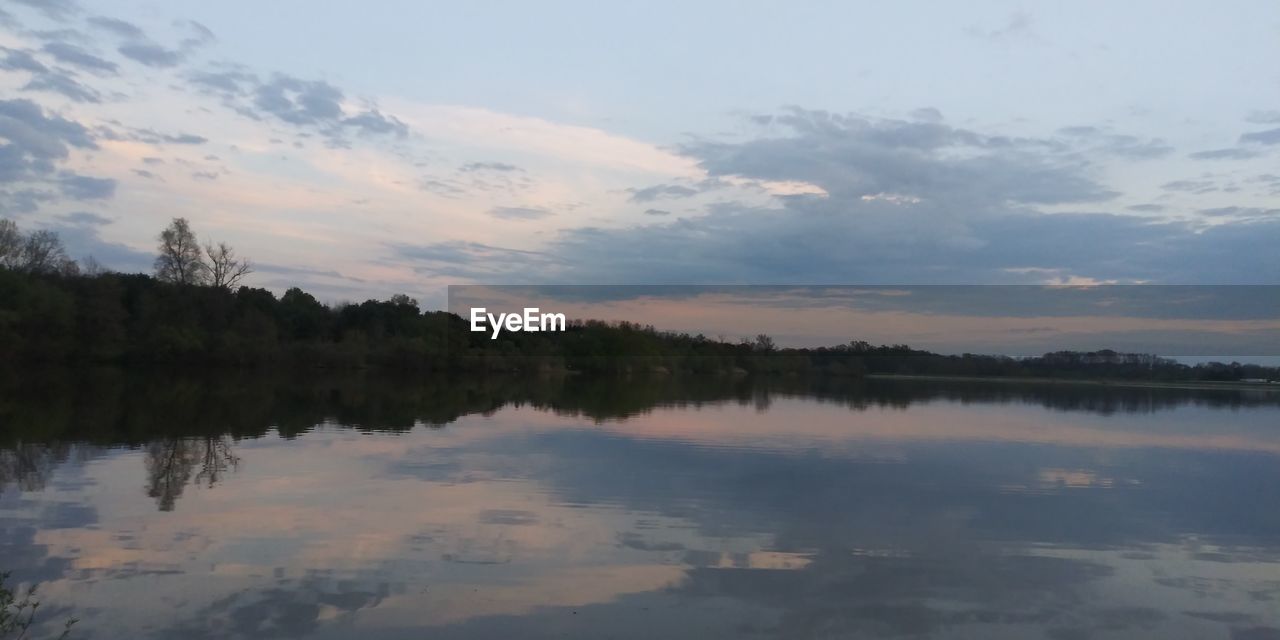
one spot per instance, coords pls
(1097, 382)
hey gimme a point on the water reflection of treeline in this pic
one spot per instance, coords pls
(113, 407)
(187, 425)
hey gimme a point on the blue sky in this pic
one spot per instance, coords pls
(362, 149)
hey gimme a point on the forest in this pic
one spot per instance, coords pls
(194, 313)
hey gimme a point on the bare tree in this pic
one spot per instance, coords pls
(10, 244)
(91, 267)
(36, 252)
(225, 269)
(180, 259)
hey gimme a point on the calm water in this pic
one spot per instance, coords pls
(357, 507)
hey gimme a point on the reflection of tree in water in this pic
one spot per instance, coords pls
(30, 465)
(171, 464)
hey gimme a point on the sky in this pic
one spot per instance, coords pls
(363, 149)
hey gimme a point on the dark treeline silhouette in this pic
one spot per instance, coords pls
(110, 318)
(194, 313)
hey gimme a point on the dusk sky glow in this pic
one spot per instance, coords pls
(359, 153)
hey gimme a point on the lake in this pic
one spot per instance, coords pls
(340, 506)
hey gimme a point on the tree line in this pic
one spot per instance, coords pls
(194, 311)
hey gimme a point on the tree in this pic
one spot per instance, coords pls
(42, 252)
(38, 252)
(180, 259)
(224, 268)
(10, 244)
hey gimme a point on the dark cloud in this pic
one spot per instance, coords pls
(851, 157)
(119, 28)
(62, 84)
(519, 213)
(143, 173)
(152, 55)
(906, 203)
(656, 212)
(22, 201)
(19, 60)
(68, 53)
(501, 167)
(308, 103)
(1146, 208)
(1270, 136)
(81, 187)
(649, 194)
(299, 101)
(1230, 153)
(32, 143)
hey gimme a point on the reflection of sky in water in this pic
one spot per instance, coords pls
(799, 520)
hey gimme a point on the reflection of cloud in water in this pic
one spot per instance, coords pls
(940, 519)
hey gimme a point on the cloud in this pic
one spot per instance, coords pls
(68, 53)
(1190, 186)
(1230, 153)
(851, 156)
(1264, 117)
(471, 260)
(441, 188)
(1250, 213)
(1270, 136)
(151, 136)
(927, 114)
(659, 191)
(35, 142)
(374, 122)
(84, 217)
(83, 240)
(299, 101)
(519, 213)
(119, 28)
(151, 55)
(1146, 208)
(55, 9)
(18, 60)
(501, 167)
(200, 35)
(656, 212)
(81, 187)
(307, 103)
(62, 84)
(230, 82)
(967, 208)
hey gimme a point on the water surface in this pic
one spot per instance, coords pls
(258, 506)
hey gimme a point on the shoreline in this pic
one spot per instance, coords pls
(1096, 382)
